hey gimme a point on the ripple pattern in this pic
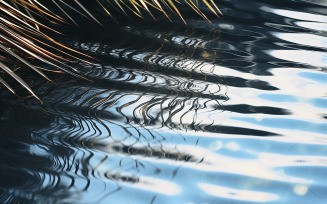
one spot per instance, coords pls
(229, 112)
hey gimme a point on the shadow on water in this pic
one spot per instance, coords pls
(26, 163)
(177, 113)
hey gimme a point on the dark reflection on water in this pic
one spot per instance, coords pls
(228, 112)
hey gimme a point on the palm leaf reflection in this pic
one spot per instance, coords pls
(123, 130)
(158, 81)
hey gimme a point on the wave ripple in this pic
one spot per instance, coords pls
(229, 112)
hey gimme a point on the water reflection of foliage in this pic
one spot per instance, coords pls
(108, 131)
(25, 172)
(91, 117)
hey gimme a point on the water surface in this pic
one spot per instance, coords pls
(229, 112)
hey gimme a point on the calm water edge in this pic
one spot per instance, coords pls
(229, 112)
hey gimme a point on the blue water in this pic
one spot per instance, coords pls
(233, 111)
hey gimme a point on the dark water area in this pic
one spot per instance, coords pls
(229, 112)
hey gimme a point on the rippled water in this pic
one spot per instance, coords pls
(229, 112)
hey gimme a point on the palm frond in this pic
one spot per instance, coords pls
(22, 41)
(23, 24)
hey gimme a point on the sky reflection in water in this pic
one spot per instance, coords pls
(229, 112)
